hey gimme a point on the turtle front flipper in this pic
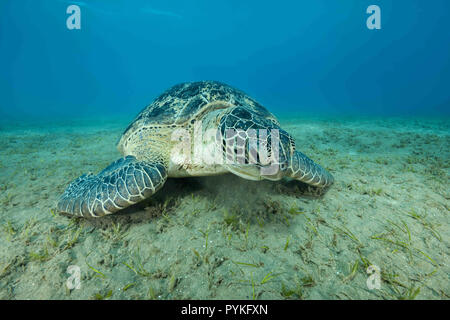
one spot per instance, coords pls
(304, 169)
(124, 182)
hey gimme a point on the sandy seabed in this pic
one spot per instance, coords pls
(227, 238)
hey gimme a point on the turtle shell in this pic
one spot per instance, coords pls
(183, 102)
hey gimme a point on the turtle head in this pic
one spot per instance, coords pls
(280, 146)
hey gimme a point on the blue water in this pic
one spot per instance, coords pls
(312, 57)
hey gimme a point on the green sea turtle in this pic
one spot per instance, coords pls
(193, 129)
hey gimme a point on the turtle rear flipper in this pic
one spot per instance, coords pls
(124, 182)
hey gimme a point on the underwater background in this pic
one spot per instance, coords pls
(370, 105)
(315, 57)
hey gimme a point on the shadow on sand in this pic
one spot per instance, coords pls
(226, 191)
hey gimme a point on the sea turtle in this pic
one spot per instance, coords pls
(246, 140)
